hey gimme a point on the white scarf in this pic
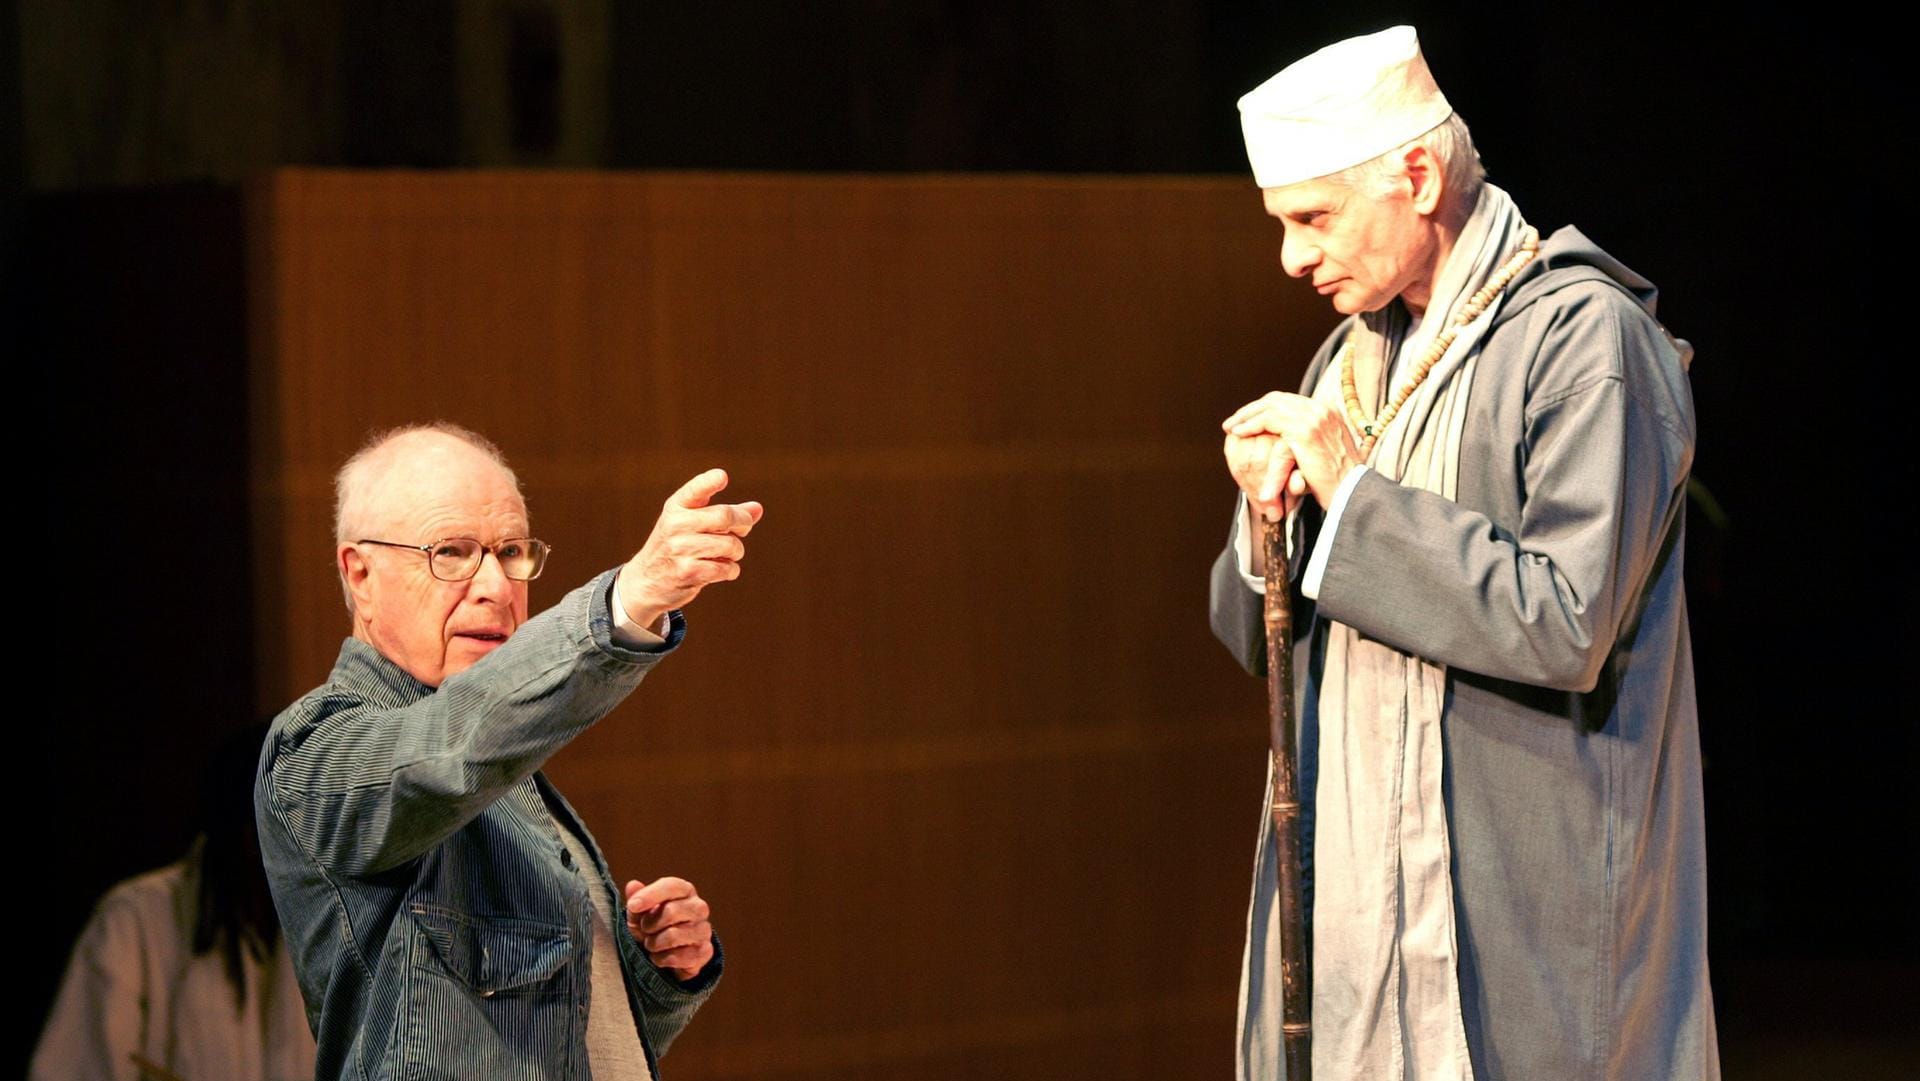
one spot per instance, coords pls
(1386, 1000)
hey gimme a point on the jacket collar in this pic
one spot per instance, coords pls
(363, 670)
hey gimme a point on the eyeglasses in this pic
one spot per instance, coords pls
(457, 559)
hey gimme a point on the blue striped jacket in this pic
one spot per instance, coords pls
(436, 921)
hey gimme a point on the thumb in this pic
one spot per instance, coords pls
(699, 491)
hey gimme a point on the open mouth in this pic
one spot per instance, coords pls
(482, 636)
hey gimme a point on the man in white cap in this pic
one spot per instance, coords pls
(1483, 480)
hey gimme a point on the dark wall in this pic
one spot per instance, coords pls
(132, 338)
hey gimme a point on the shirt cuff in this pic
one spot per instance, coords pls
(628, 634)
(1243, 546)
(1317, 563)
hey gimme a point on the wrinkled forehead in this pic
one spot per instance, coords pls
(431, 495)
(1303, 198)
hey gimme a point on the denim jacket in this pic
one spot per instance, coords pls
(435, 919)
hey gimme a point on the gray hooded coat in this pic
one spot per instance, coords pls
(1551, 590)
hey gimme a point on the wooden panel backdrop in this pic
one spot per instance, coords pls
(971, 787)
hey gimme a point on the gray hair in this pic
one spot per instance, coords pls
(1449, 142)
(354, 485)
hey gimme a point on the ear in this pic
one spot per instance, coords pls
(1426, 181)
(357, 575)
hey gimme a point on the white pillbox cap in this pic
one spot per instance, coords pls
(1350, 102)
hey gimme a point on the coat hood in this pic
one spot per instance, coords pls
(1568, 248)
(1567, 258)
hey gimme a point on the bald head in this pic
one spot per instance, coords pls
(380, 473)
(414, 487)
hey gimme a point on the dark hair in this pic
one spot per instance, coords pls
(234, 912)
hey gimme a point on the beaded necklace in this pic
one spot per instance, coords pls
(1370, 429)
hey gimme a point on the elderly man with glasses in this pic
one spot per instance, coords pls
(449, 914)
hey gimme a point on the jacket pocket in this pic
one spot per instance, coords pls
(490, 955)
(487, 996)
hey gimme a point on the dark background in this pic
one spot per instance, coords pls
(1743, 163)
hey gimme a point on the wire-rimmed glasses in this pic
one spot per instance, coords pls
(456, 559)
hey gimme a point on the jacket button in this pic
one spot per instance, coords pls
(566, 859)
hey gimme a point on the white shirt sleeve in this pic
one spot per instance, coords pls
(631, 635)
(1243, 546)
(1317, 563)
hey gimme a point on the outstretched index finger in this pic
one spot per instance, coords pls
(699, 491)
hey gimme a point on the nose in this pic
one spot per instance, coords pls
(1297, 257)
(490, 581)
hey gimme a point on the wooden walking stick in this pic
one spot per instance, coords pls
(1296, 977)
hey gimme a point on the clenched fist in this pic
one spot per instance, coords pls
(669, 919)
